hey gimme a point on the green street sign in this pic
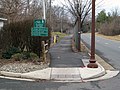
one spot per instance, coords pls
(43, 31)
(39, 23)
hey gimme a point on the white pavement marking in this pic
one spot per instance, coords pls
(58, 57)
(106, 43)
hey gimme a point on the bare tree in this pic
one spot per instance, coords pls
(79, 8)
(11, 8)
(59, 19)
(17, 10)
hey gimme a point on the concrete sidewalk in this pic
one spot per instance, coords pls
(65, 66)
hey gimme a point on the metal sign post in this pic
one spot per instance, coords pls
(44, 10)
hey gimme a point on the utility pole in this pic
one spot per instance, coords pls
(50, 12)
(28, 2)
(79, 33)
(79, 6)
(62, 17)
(92, 61)
(44, 17)
(44, 10)
(61, 24)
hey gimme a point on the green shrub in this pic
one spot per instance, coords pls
(25, 55)
(17, 56)
(10, 52)
(33, 56)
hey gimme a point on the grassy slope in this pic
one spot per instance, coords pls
(117, 37)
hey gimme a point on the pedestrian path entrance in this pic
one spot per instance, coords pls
(62, 55)
(64, 62)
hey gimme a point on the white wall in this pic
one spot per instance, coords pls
(1, 24)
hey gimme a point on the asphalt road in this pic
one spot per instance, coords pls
(110, 84)
(109, 50)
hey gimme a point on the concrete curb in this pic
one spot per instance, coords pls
(17, 76)
(93, 72)
(101, 73)
(27, 76)
(10, 74)
(20, 79)
(41, 74)
(38, 75)
(109, 74)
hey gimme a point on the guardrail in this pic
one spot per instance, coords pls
(44, 50)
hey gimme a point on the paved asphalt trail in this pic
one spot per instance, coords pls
(108, 49)
(63, 56)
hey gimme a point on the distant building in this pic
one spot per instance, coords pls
(2, 22)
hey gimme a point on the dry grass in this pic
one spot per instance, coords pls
(117, 37)
(83, 48)
(61, 35)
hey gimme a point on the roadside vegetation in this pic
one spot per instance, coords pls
(16, 33)
(61, 35)
(108, 23)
